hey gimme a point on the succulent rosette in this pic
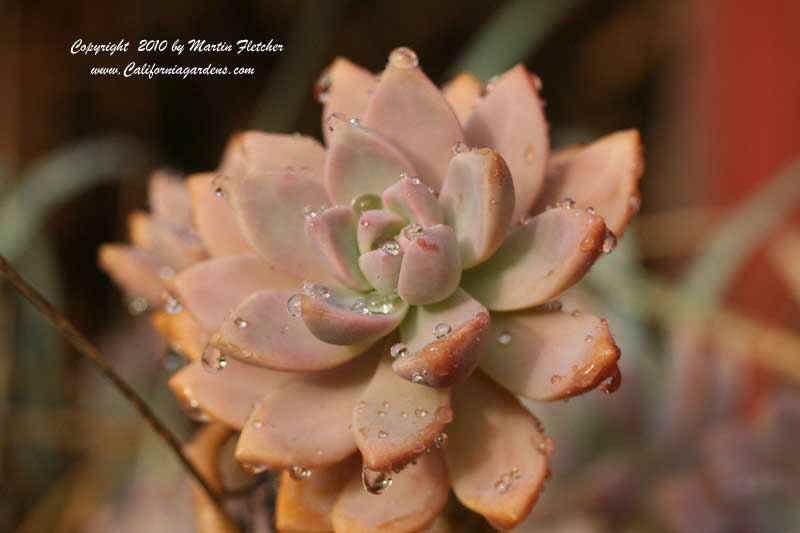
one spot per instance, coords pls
(370, 312)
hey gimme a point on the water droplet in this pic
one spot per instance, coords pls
(382, 434)
(610, 242)
(604, 322)
(530, 154)
(355, 121)
(258, 424)
(295, 306)
(412, 231)
(213, 359)
(366, 202)
(218, 192)
(460, 147)
(364, 222)
(398, 350)
(440, 440)
(385, 404)
(360, 306)
(504, 483)
(504, 338)
(612, 384)
(316, 290)
(240, 322)
(403, 414)
(442, 330)
(567, 203)
(404, 58)
(299, 473)
(382, 413)
(172, 304)
(591, 210)
(253, 468)
(545, 446)
(322, 89)
(576, 313)
(381, 304)
(138, 305)
(375, 482)
(417, 378)
(391, 247)
(420, 412)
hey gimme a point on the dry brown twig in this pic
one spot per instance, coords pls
(88, 350)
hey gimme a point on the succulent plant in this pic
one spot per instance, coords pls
(370, 311)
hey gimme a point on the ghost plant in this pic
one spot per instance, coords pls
(369, 313)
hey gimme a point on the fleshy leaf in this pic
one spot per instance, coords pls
(431, 268)
(414, 201)
(229, 394)
(539, 259)
(478, 200)
(271, 208)
(511, 120)
(411, 503)
(177, 247)
(443, 341)
(603, 175)
(204, 451)
(377, 225)
(210, 290)
(306, 423)
(396, 420)
(306, 504)
(214, 219)
(382, 269)
(409, 110)
(333, 231)
(255, 152)
(136, 270)
(261, 331)
(184, 334)
(342, 317)
(360, 161)
(497, 455)
(343, 88)
(169, 199)
(549, 355)
(463, 93)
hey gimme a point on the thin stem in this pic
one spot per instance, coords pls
(87, 349)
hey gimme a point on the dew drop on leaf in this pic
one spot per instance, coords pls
(375, 482)
(398, 351)
(213, 359)
(299, 473)
(294, 306)
(504, 339)
(442, 330)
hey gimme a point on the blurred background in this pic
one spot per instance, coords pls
(702, 294)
